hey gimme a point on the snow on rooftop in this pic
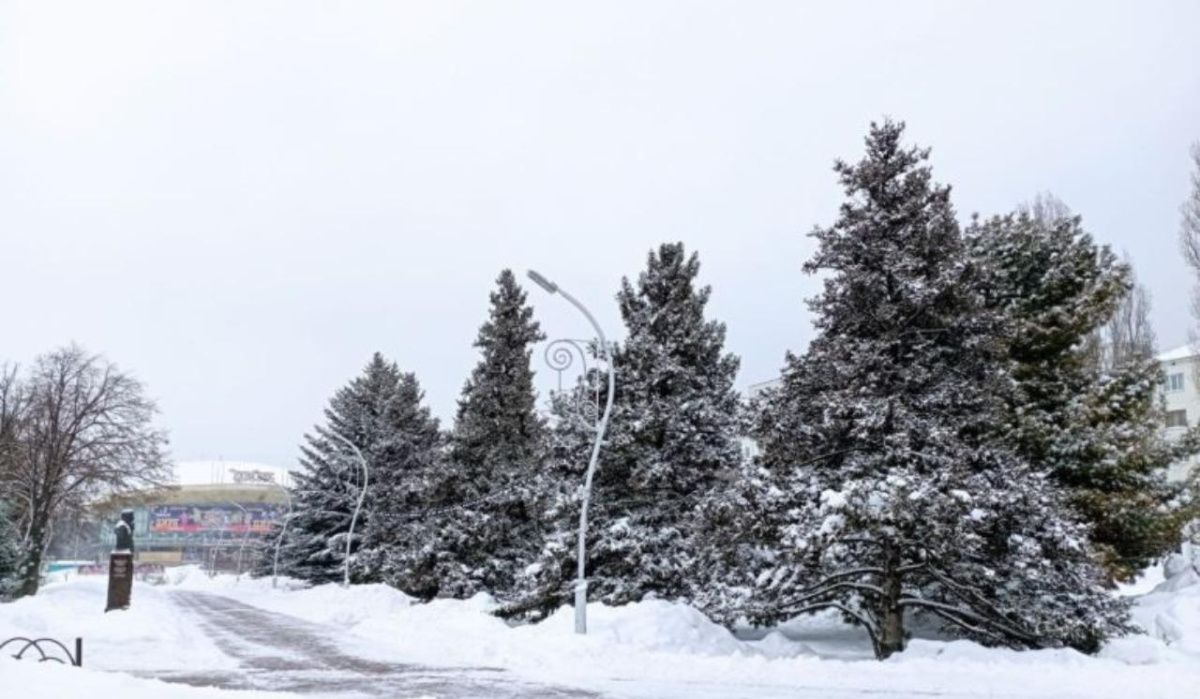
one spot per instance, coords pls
(223, 472)
(1182, 352)
(756, 388)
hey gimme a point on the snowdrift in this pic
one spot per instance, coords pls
(113, 641)
(52, 681)
(653, 648)
(1170, 613)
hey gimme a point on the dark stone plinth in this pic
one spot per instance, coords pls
(120, 580)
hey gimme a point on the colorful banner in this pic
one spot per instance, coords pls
(188, 519)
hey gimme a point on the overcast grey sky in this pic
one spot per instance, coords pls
(240, 201)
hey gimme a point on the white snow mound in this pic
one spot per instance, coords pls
(1171, 612)
(33, 680)
(655, 625)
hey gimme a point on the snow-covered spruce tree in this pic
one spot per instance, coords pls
(672, 443)
(489, 532)
(729, 553)
(11, 419)
(548, 582)
(380, 413)
(406, 455)
(881, 495)
(10, 554)
(1115, 468)
(1081, 399)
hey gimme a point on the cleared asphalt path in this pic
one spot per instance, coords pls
(277, 652)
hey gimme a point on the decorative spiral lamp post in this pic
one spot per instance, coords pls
(581, 566)
(362, 494)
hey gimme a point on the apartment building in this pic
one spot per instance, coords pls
(1181, 368)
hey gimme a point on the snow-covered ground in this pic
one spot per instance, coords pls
(651, 649)
(151, 632)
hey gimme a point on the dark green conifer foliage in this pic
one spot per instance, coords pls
(409, 454)
(496, 456)
(1096, 426)
(881, 491)
(379, 413)
(672, 443)
(10, 553)
(548, 584)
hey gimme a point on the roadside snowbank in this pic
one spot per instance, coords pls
(150, 635)
(657, 649)
(651, 649)
(1171, 612)
(119, 640)
(323, 604)
(654, 625)
(31, 680)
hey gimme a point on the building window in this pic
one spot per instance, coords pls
(1176, 418)
(1174, 382)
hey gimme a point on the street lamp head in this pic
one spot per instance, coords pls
(543, 282)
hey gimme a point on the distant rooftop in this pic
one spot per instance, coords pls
(754, 389)
(208, 494)
(1182, 352)
(229, 473)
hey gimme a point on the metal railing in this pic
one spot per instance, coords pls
(42, 644)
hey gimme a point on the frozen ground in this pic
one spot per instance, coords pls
(370, 641)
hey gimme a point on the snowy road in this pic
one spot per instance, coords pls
(282, 653)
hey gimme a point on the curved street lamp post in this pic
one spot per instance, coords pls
(581, 579)
(362, 493)
(245, 536)
(279, 540)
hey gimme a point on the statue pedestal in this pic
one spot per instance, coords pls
(120, 580)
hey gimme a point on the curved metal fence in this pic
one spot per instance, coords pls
(57, 651)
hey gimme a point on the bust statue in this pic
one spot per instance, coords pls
(124, 537)
(124, 531)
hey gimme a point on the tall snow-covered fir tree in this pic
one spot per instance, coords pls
(406, 456)
(672, 442)
(880, 494)
(1055, 287)
(1094, 423)
(490, 530)
(380, 413)
(548, 582)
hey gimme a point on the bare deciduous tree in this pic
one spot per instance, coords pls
(1129, 331)
(1128, 334)
(1189, 229)
(1047, 208)
(83, 429)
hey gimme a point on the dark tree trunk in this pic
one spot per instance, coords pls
(891, 614)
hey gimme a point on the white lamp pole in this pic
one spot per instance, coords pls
(279, 540)
(581, 566)
(245, 536)
(362, 494)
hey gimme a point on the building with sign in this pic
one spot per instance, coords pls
(217, 515)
